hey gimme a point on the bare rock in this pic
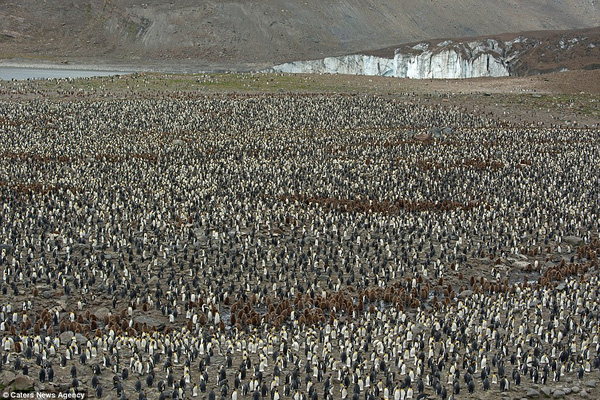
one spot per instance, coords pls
(80, 338)
(101, 312)
(417, 329)
(23, 383)
(523, 265)
(436, 133)
(66, 336)
(6, 377)
(532, 394)
(573, 240)
(447, 131)
(546, 391)
(590, 383)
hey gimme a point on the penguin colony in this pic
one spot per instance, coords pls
(294, 247)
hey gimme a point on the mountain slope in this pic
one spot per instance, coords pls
(253, 32)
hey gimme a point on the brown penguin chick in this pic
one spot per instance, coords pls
(387, 297)
(278, 322)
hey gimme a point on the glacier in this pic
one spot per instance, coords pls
(444, 60)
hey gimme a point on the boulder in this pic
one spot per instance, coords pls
(575, 389)
(523, 265)
(573, 240)
(567, 390)
(545, 390)
(80, 338)
(66, 336)
(6, 377)
(101, 312)
(446, 131)
(584, 394)
(23, 383)
(532, 394)
(590, 383)
(558, 393)
(436, 133)
(61, 304)
(417, 329)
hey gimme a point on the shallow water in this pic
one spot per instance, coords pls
(23, 73)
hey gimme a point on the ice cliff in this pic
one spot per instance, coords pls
(443, 60)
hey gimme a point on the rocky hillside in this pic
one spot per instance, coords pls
(251, 33)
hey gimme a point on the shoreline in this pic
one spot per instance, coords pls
(147, 66)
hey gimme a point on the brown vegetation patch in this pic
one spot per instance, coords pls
(386, 207)
(127, 157)
(26, 156)
(480, 164)
(37, 187)
(474, 163)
